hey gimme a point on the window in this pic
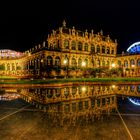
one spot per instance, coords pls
(108, 50)
(92, 48)
(73, 45)
(66, 44)
(49, 60)
(57, 61)
(86, 47)
(79, 46)
(74, 62)
(98, 49)
(112, 52)
(126, 63)
(79, 62)
(103, 49)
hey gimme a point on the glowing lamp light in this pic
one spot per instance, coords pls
(83, 64)
(83, 88)
(113, 65)
(65, 61)
(113, 86)
(133, 65)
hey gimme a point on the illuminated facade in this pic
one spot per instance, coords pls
(71, 53)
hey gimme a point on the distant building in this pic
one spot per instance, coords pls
(68, 52)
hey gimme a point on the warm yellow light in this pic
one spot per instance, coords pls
(113, 86)
(83, 64)
(133, 65)
(83, 88)
(113, 65)
(65, 61)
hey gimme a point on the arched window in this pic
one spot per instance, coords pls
(57, 61)
(107, 63)
(66, 61)
(66, 92)
(103, 63)
(138, 63)
(74, 90)
(126, 64)
(98, 49)
(73, 45)
(79, 46)
(79, 62)
(86, 47)
(92, 48)
(54, 45)
(66, 44)
(112, 51)
(103, 49)
(49, 60)
(74, 62)
(108, 50)
(138, 88)
(132, 62)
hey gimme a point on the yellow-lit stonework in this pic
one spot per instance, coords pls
(68, 52)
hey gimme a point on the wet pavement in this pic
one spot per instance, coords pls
(21, 121)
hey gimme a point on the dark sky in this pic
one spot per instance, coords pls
(25, 25)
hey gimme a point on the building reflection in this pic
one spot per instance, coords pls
(69, 104)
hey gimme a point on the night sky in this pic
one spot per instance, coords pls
(26, 25)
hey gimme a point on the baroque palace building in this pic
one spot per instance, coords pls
(68, 52)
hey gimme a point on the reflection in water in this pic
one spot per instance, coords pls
(134, 100)
(67, 104)
(9, 94)
(68, 112)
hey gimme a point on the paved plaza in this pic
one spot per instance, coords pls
(21, 121)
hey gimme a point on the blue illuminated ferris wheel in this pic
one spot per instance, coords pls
(134, 48)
